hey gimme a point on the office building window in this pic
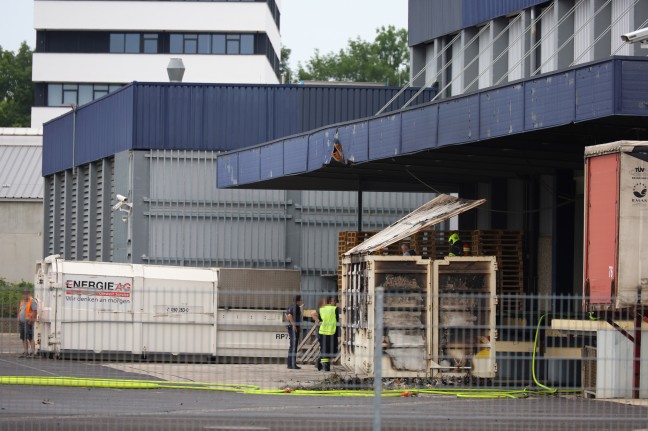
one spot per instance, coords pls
(191, 43)
(134, 43)
(150, 43)
(77, 94)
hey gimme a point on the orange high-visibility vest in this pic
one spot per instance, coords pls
(28, 311)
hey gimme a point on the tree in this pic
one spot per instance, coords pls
(286, 71)
(386, 59)
(16, 90)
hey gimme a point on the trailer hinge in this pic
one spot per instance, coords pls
(369, 334)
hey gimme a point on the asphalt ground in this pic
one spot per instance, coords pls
(58, 408)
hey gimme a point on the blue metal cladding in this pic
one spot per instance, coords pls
(550, 101)
(98, 137)
(228, 169)
(103, 128)
(501, 111)
(271, 161)
(249, 165)
(385, 136)
(478, 11)
(634, 88)
(295, 155)
(214, 117)
(420, 129)
(431, 19)
(356, 141)
(57, 148)
(459, 120)
(582, 93)
(594, 91)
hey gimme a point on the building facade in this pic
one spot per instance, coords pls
(468, 45)
(86, 49)
(157, 144)
(21, 203)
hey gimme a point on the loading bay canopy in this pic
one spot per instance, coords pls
(529, 127)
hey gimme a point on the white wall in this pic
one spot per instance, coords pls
(124, 68)
(43, 114)
(21, 239)
(157, 16)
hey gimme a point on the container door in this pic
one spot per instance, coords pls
(633, 230)
(177, 311)
(602, 203)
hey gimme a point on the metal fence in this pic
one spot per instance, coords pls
(120, 346)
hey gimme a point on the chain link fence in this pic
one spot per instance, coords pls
(147, 347)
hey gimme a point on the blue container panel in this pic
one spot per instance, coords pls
(272, 161)
(420, 129)
(459, 120)
(384, 137)
(227, 170)
(595, 91)
(502, 111)
(549, 101)
(295, 155)
(354, 139)
(634, 88)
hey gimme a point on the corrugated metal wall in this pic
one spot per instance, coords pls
(584, 37)
(188, 221)
(432, 19)
(78, 220)
(206, 117)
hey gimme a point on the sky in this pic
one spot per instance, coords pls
(305, 24)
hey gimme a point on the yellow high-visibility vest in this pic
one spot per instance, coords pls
(329, 322)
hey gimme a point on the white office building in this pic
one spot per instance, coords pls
(88, 48)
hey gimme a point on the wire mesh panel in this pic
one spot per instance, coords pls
(123, 346)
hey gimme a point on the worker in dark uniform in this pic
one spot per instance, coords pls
(407, 251)
(456, 245)
(327, 319)
(294, 317)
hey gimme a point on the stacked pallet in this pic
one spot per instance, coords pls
(346, 241)
(434, 244)
(507, 247)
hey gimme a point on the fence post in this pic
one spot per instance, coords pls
(378, 338)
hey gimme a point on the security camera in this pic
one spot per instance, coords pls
(640, 35)
(123, 204)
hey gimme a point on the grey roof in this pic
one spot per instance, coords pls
(20, 166)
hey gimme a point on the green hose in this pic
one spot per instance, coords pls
(476, 393)
(533, 360)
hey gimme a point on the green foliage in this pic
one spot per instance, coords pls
(386, 59)
(10, 295)
(286, 71)
(16, 90)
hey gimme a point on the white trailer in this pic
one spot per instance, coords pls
(149, 310)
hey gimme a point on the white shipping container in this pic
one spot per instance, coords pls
(142, 310)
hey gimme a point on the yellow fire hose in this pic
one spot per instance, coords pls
(480, 393)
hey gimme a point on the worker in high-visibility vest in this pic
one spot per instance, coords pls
(27, 314)
(327, 318)
(457, 247)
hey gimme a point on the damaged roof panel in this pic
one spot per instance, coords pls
(439, 209)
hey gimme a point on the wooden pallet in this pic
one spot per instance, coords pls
(308, 350)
